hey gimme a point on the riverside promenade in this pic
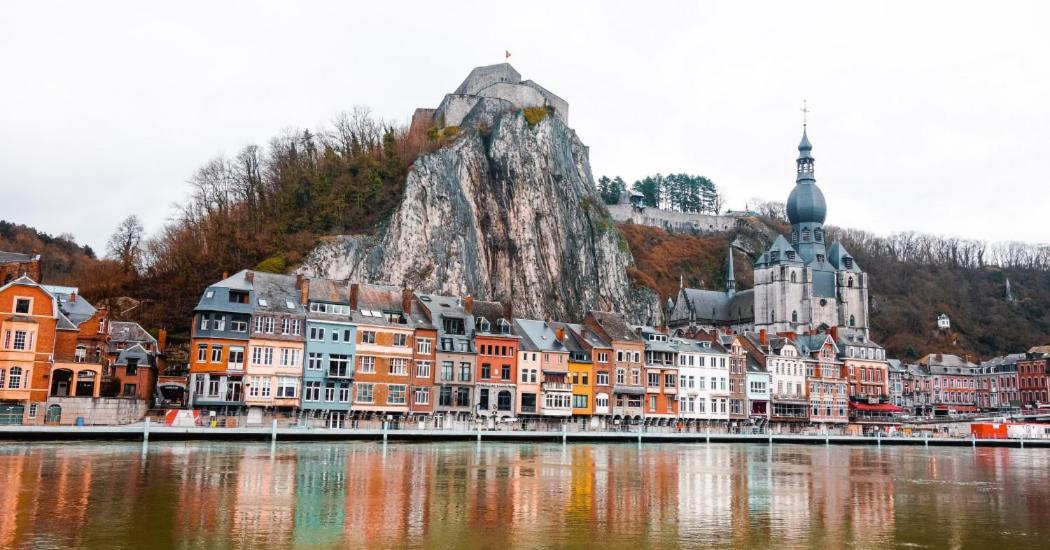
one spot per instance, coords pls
(151, 432)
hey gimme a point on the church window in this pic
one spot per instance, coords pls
(794, 316)
(791, 254)
(794, 237)
(818, 235)
(772, 316)
(805, 235)
(849, 262)
(793, 277)
(852, 321)
(849, 282)
(820, 258)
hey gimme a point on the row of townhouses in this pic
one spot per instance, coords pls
(329, 351)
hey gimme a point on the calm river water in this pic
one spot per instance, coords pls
(496, 495)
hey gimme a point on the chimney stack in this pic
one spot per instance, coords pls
(468, 304)
(559, 333)
(225, 274)
(298, 281)
(72, 297)
(162, 340)
(406, 300)
(763, 338)
(304, 290)
(249, 276)
(354, 289)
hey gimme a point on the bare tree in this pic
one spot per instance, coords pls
(125, 245)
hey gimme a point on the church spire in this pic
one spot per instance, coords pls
(730, 276)
(804, 164)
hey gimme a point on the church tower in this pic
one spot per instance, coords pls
(806, 208)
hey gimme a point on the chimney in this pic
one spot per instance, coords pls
(225, 274)
(298, 281)
(763, 338)
(559, 333)
(468, 304)
(72, 297)
(304, 290)
(406, 300)
(162, 340)
(354, 288)
(790, 335)
(249, 276)
(835, 333)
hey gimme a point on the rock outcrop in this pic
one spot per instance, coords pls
(506, 211)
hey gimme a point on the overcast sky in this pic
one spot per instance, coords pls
(925, 116)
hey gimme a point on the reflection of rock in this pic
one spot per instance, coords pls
(509, 215)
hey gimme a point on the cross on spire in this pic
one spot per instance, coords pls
(805, 112)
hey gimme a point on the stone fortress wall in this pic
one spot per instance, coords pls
(675, 222)
(494, 87)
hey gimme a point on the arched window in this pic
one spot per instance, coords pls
(852, 321)
(794, 316)
(794, 237)
(849, 282)
(818, 235)
(14, 381)
(793, 277)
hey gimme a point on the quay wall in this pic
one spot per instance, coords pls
(143, 432)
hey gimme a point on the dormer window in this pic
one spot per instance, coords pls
(818, 235)
(210, 294)
(794, 237)
(791, 254)
(264, 302)
(483, 325)
(23, 305)
(820, 258)
(848, 262)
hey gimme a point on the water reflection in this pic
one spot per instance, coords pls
(200, 495)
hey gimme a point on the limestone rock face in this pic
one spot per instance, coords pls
(510, 213)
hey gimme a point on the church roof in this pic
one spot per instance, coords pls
(780, 252)
(715, 306)
(806, 203)
(838, 255)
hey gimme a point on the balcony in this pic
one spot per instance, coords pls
(339, 373)
(557, 386)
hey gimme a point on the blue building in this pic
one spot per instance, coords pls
(329, 367)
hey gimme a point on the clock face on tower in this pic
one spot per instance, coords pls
(823, 302)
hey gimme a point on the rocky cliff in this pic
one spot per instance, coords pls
(506, 211)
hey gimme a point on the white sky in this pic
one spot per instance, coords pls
(926, 116)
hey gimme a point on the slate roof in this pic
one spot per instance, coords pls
(17, 257)
(127, 332)
(615, 325)
(837, 255)
(276, 294)
(76, 311)
(492, 312)
(220, 299)
(714, 306)
(537, 336)
(134, 352)
(380, 299)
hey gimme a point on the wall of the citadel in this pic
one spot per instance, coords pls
(676, 222)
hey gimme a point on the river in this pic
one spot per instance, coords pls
(508, 495)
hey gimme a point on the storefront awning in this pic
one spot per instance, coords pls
(875, 407)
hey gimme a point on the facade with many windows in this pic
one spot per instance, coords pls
(331, 338)
(273, 370)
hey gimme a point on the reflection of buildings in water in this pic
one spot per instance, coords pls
(207, 498)
(789, 495)
(320, 496)
(872, 512)
(265, 497)
(377, 496)
(11, 467)
(705, 492)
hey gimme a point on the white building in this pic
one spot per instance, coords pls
(703, 374)
(943, 322)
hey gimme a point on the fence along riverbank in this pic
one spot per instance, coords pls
(148, 432)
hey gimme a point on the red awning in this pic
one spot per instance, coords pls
(875, 407)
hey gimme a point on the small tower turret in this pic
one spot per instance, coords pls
(730, 276)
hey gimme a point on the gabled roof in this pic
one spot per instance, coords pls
(781, 252)
(714, 306)
(374, 301)
(615, 325)
(134, 352)
(537, 336)
(492, 313)
(127, 332)
(276, 293)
